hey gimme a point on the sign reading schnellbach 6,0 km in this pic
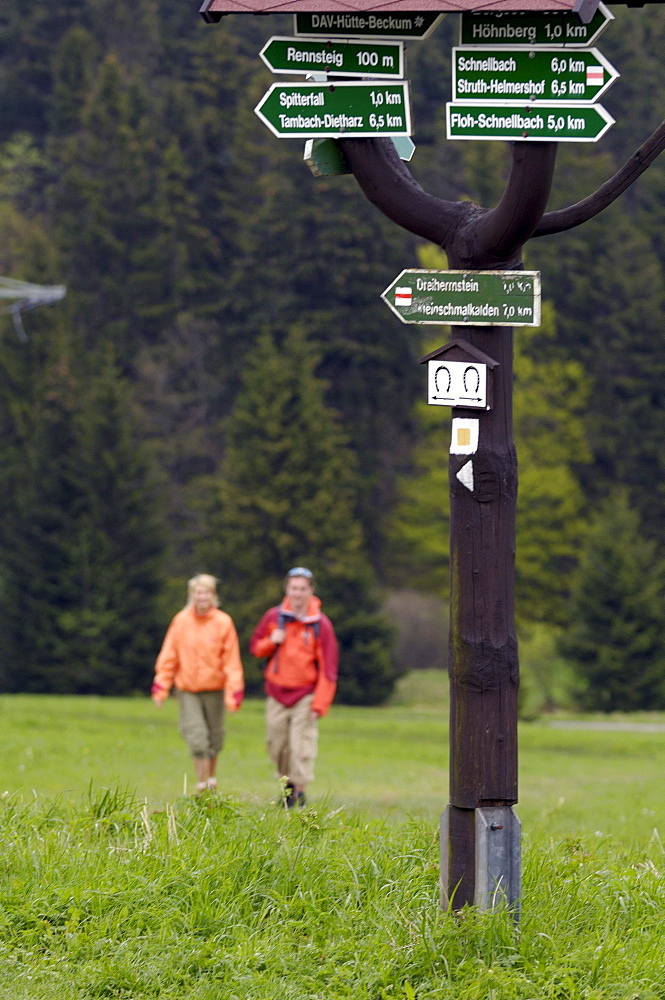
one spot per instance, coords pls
(471, 298)
(303, 110)
(533, 74)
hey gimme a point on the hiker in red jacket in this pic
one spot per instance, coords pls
(300, 679)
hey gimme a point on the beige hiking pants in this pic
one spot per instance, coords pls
(292, 739)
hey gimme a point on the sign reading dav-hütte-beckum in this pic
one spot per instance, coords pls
(339, 58)
(532, 27)
(363, 24)
(472, 298)
(527, 122)
(554, 74)
(305, 110)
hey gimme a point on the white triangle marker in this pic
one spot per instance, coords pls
(465, 476)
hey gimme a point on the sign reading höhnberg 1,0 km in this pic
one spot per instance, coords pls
(303, 110)
(474, 298)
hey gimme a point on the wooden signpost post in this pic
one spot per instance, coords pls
(480, 835)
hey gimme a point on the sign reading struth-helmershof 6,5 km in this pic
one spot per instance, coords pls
(536, 90)
(554, 74)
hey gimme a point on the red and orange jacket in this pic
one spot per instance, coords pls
(305, 662)
(200, 653)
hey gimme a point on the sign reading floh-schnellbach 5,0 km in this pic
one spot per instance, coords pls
(527, 122)
(472, 298)
(303, 110)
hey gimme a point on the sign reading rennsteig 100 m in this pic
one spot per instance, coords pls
(471, 298)
(306, 110)
(340, 58)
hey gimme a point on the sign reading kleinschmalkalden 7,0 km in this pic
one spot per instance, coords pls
(471, 298)
(303, 110)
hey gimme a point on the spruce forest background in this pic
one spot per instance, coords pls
(222, 389)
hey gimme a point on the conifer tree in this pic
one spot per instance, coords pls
(285, 498)
(615, 640)
(82, 544)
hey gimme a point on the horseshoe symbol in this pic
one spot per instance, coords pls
(475, 371)
(442, 368)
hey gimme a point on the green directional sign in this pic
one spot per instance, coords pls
(528, 122)
(362, 24)
(533, 28)
(341, 58)
(471, 298)
(554, 74)
(354, 110)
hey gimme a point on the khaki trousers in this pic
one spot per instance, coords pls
(202, 721)
(293, 736)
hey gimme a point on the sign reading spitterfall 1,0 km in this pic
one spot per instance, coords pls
(303, 110)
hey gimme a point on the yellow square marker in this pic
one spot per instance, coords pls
(463, 437)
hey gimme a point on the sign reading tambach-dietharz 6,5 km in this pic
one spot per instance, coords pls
(472, 298)
(304, 110)
(552, 74)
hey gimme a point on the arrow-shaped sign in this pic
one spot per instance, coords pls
(364, 24)
(353, 110)
(472, 298)
(528, 122)
(533, 28)
(553, 74)
(340, 58)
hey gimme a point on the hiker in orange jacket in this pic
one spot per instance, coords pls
(300, 679)
(200, 655)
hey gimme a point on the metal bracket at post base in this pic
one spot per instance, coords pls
(497, 869)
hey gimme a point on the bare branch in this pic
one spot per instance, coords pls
(502, 232)
(575, 215)
(473, 237)
(389, 185)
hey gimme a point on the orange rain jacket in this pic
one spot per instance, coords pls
(200, 653)
(305, 662)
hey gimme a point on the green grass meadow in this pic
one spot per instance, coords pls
(117, 884)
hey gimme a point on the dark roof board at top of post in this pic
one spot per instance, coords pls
(586, 8)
